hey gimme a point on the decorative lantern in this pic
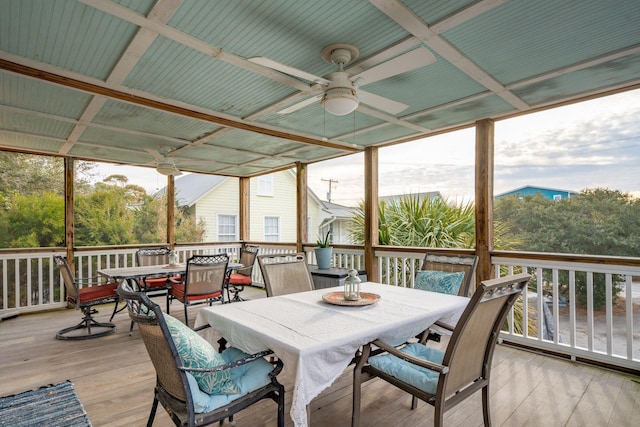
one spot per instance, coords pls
(352, 286)
(173, 258)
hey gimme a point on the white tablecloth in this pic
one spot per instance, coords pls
(316, 341)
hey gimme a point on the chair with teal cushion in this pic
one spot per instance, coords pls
(195, 384)
(437, 264)
(445, 273)
(444, 379)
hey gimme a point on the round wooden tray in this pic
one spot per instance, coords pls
(337, 298)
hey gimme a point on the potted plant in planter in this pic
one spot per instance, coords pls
(324, 251)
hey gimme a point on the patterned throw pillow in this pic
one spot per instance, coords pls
(439, 281)
(196, 352)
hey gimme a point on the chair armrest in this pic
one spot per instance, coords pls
(226, 366)
(411, 359)
(176, 282)
(445, 325)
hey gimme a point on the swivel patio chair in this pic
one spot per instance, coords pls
(203, 282)
(444, 379)
(195, 384)
(285, 273)
(85, 294)
(237, 280)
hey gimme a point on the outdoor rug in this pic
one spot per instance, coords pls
(53, 405)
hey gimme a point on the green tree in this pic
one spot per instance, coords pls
(594, 222)
(418, 221)
(103, 217)
(33, 221)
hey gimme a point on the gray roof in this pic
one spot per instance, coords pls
(192, 187)
(338, 211)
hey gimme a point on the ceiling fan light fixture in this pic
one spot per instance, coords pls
(168, 169)
(340, 101)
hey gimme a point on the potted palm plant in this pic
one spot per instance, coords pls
(324, 251)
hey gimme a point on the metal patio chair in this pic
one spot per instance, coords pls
(444, 379)
(185, 363)
(85, 294)
(285, 273)
(236, 281)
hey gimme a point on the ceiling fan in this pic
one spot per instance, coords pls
(167, 165)
(341, 89)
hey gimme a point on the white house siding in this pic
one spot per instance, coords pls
(283, 205)
(224, 199)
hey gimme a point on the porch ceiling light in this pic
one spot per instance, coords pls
(167, 168)
(340, 101)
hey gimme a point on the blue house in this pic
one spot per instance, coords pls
(529, 190)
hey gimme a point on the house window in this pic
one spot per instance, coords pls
(227, 228)
(271, 229)
(265, 185)
(557, 197)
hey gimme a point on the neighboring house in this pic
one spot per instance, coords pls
(529, 190)
(338, 222)
(215, 199)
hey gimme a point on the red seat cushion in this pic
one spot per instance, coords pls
(155, 282)
(97, 292)
(239, 279)
(178, 292)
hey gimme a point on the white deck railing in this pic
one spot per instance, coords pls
(29, 281)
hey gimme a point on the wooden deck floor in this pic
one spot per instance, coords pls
(114, 380)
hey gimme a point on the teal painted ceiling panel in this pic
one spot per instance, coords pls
(173, 71)
(519, 39)
(250, 141)
(26, 123)
(291, 32)
(135, 143)
(390, 132)
(580, 82)
(31, 143)
(133, 117)
(65, 34)
(465, 113)
(223, 154)
(28, 94)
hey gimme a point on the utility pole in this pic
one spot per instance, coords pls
(331, 182)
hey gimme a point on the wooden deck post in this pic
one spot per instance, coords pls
(171, 213)
(69, 221)
(371, 212)
(484, 197)
(301, 206)
(245, 209)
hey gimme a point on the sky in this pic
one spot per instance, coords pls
(593, 144)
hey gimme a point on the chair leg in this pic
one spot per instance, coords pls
(154, 408)
(485, 406)
(186, 316)
(281, 406)
(357, 392)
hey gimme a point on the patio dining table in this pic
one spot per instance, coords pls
(317, 340)
(140, 272)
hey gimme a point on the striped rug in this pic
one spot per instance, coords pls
(54, 405)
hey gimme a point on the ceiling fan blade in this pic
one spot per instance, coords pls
(270, 63)
(409, 61)
(300, 105)
(381, 103)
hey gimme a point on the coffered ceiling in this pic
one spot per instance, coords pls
(233, 87)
